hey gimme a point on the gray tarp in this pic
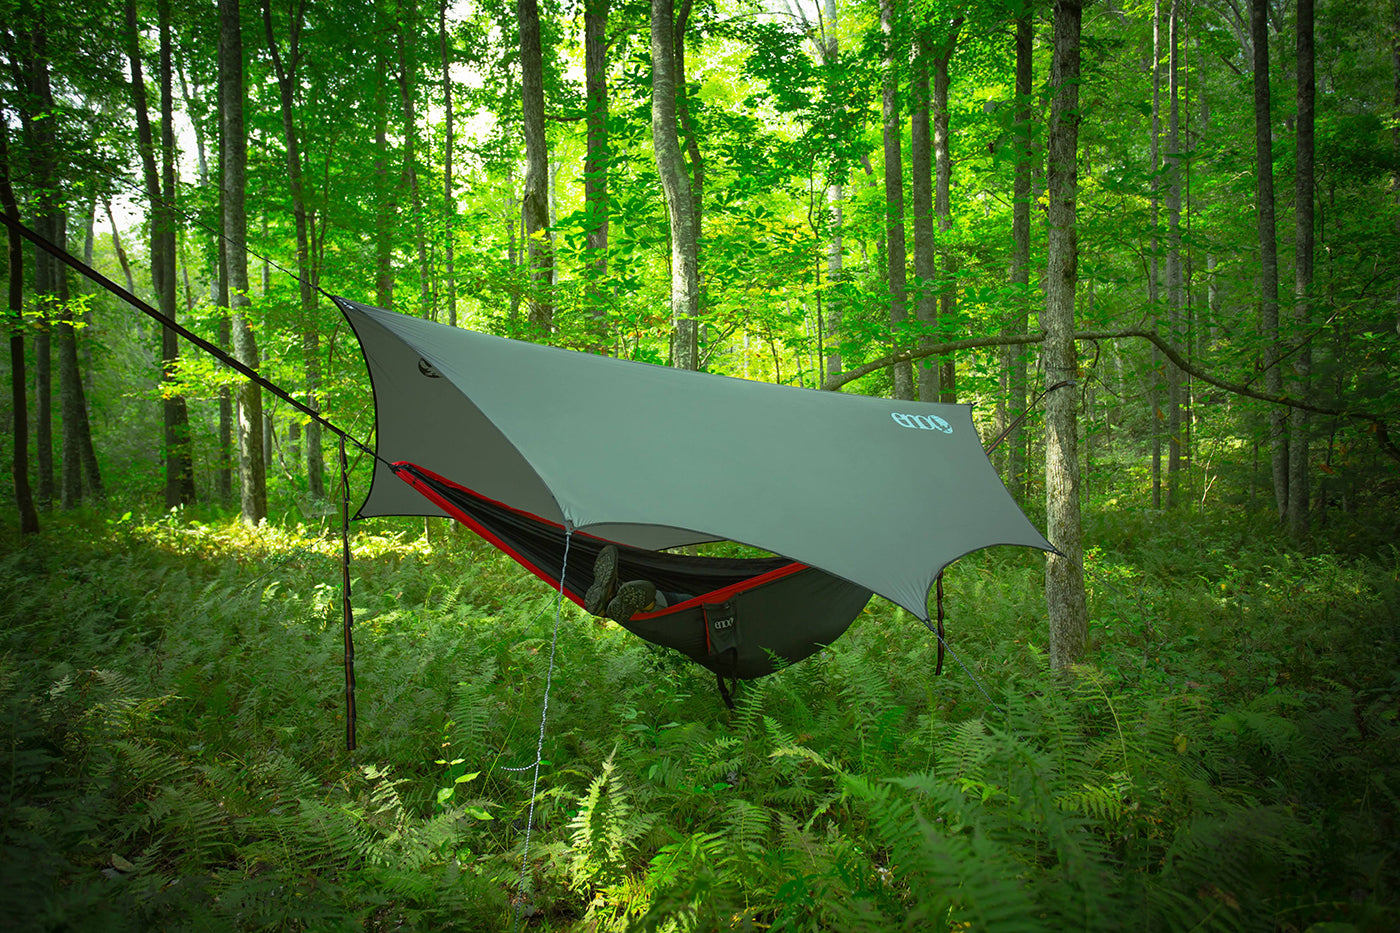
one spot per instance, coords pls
(882, 493)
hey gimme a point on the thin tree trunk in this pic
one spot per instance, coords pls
(1154, 295)
(1175, 302)
(286, 74)
(251, 472)
(894, 201)
(1395, 131)
(449, 197)
(408, 83)
(383, 194)
(921, 198)
(35, 92)
(223, 476)
(120, 250)
(77, 462)
(535, 201)
(595, 163)
(179, 474)
(835, 195)
(1268, 251)
(1015, 358)
(179, 470)
(680, 207)
(19, 404)
(1065, 596)
(1298, 458)
(686, 128)
(942, 203)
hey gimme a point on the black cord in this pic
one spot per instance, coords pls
(213, 350)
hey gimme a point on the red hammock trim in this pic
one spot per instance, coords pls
(715, 596)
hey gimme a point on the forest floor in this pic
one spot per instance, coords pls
(173, 726)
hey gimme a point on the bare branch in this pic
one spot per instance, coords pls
(915, 353)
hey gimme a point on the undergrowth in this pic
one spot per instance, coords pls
(172, 719)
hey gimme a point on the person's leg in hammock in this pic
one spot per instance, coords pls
(620, 601)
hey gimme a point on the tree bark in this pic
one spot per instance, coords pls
(921, 198)
(595, 162)
(77, 462)
(384, 212)
(160, 184)
(686, 129)
(1014, 360)
(1065, 596)
(179, 470)
(942, 203)
(680, 207)
(1175, 298)
(1268, 251)
(120, 250)
(1303, 276)
(408, 85)
(251, 472)
(19, 405)
(1154, 293)
(30, 65)
(894, 200)
(835, 195)
(223, 476)
(449, 196)
(535, 202)
(286, 73)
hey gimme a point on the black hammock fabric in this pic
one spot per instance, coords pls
(744, 617)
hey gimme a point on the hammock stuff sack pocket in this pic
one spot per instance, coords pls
(742, 618)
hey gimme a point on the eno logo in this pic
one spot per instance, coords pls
(922, 422)
(723, 623)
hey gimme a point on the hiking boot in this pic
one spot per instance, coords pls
(632, 597)
(604, 587)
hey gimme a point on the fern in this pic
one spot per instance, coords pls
(604, 831)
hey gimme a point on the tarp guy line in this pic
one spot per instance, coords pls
(218, 353)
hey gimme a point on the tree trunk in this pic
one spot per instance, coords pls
(595, 163)
(686, 128)
(1014, 357)
(1268, 251)
(1175, 301)
(78, 463)
(160, 185)
(251, 472)
(835, 195)
(1154, 294)
(1395, 132)
(408, 84)
(179, 470)
(120, 250)
(223, 477)
(19, 405)
(680, 207)
(449, 197)
(942, 204)
(1064, 571)
(31, 69)
(1303, 277)
(921, 196)
(535, 202)
(383, 193)
(286, 74)
(894, 201)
